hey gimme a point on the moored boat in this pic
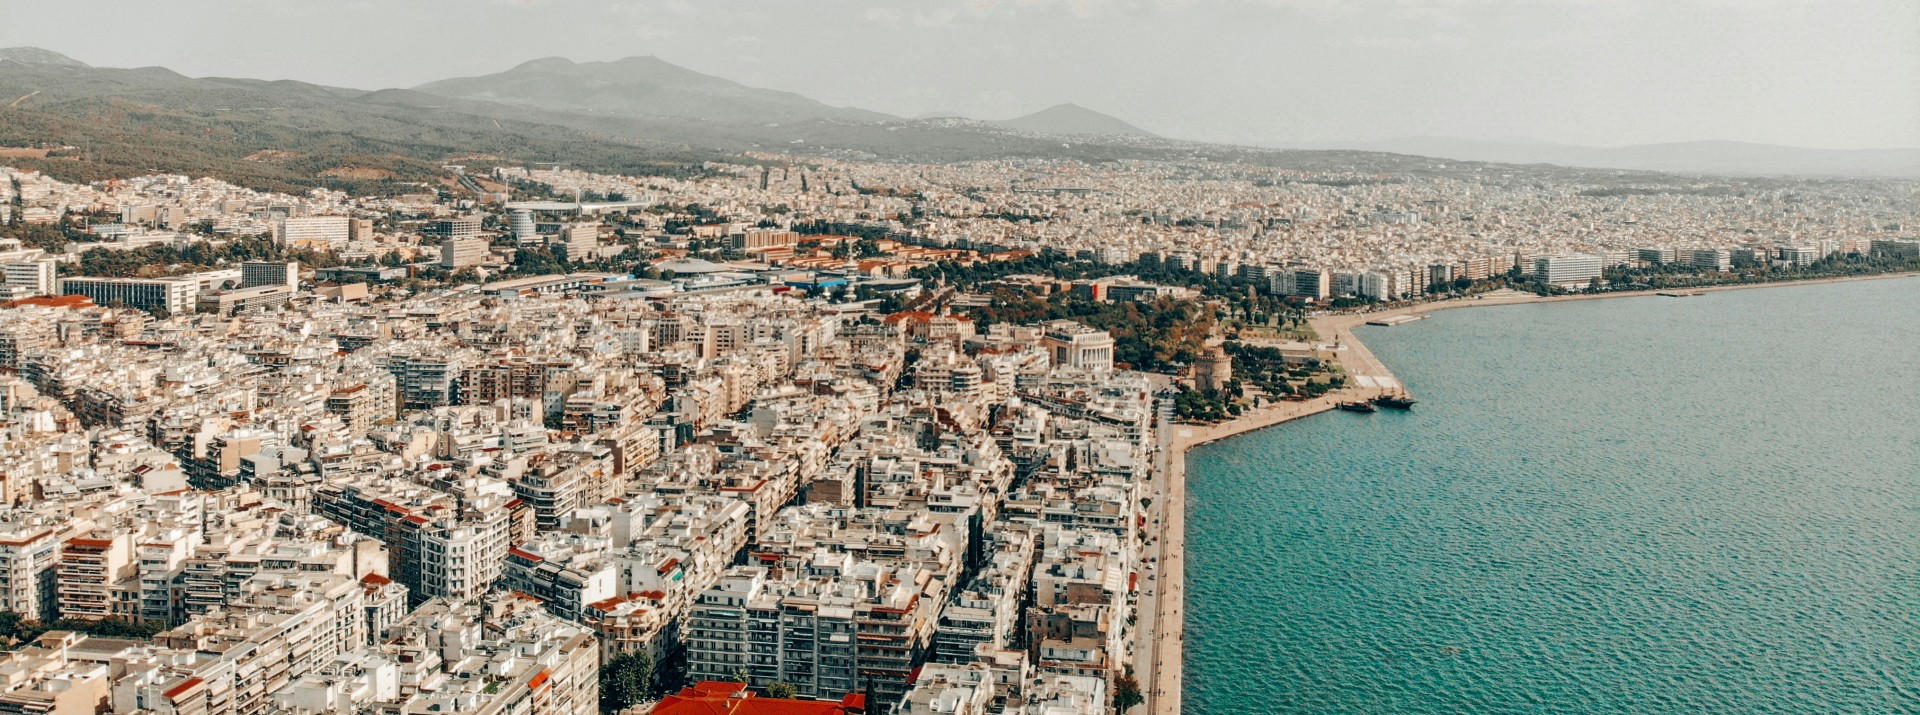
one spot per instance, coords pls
(1395, 402)
(1357, 406)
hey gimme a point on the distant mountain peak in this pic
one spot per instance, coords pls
(642, 86)
(544, 63)
(37, 56)
(1072, 119)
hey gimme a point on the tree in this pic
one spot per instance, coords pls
(1126, 693)
(625, 681)
(782, 690)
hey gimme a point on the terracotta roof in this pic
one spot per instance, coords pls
(178, 690)
(54, 301)
(710, 697)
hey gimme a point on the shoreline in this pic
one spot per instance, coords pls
(1512, 297)
(1166, 677)
(1165, 681)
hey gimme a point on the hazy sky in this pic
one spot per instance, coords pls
(1816, 73)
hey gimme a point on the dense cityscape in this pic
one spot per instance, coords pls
(853, 437)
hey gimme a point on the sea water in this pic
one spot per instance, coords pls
(1639, 505)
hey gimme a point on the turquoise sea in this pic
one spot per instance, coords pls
(1638, 505)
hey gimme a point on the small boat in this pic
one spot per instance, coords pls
(1395, 402)
(1357, 406)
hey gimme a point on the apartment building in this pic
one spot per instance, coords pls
(29, 568)
(461, 252)
(1309, 283)
(29, 278)
(842, 628)
(440, 544)
(175, 296)
(1712, 259)
(270, 273)
(317, 232)
(1567, 269)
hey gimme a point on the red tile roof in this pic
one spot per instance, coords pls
(710, 697)
(54, 301)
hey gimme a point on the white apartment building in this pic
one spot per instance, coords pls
(578, 242)
(458, 253)
(29, 557)
(1567, 269)
(173, 295)
(314, 231)
(34, 277)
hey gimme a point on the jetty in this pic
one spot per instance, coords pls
(1392, 320)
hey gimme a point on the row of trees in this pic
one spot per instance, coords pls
(1147, 336)
(163, 260)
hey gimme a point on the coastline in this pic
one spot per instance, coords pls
(1165, 679)
(1166, 676)
(1345, 321)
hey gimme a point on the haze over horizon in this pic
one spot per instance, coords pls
(1840, 75)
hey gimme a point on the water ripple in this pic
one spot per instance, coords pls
(1622, 506)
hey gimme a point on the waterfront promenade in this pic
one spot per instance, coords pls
(1160, 635)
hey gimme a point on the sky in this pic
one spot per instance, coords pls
(1812, 73)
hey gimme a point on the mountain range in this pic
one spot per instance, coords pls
(1698, 157)
(640, 115)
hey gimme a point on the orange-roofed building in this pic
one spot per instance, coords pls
(715, 697)
(73, 302)
(931, 327)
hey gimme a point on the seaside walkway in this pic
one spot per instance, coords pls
(1160, 635)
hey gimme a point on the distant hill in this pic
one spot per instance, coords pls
(1072, 120)
(100, 123)
(1701, 157)
(274, 135)
(37, 56)
(639, 87)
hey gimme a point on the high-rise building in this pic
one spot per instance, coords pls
(462, 252)
(456, 227)
(270, 273)
(1309, 283)
(1894, 249)
(1800, 255)
(1655, 256)
(1567, 269)
(1373, 285)
(97, 577)
(29, 563)
(1712, 259)
(31, 278)
(579, 242)
(1477, 269)
(315, 231)
(826, 637)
